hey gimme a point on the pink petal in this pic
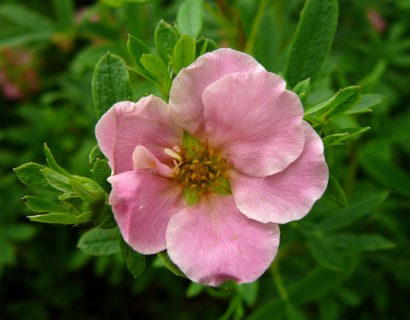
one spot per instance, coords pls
(129, 124)
(185, 97)
(213, 242)
(254, 122)
(288, 195)
(143, 159)
(143, 203)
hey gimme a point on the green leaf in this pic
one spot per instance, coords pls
(30, 174)
(366, 102)
(340, 138)
(355, 211)
(57, 180)
(95, 155)
(61, 218)
(135, 262)
(204, 45)
(157, 68)
(362, 242)
(51, 161)
(194, 289)
(17, 232)
(40, 205)
(184, 53)
(249, 292)
(191, 196)
(189, 17)
(302, 89)
(100, 242)
(22, 16)
(65, 12)
(169, 264)
(385, 172)
(137, 48)
(165, 39)
(87, 189)
(324, 252)
(335, 192)
(343, 100)
(101, 171)
(313, 40)
(110, 83)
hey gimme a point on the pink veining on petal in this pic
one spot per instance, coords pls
(288, 195)
(212, 242)
(254, 122)
(127, 125)
(143, 202)
(185, 97)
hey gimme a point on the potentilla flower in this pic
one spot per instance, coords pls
(211, 175)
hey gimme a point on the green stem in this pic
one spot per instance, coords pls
(256, 24)
(277, 279)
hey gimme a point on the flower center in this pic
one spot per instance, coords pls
(200, 169)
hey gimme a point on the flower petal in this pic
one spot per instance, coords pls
(213, 242)
(143, 203)
(143, 159)
(185, 97)
(254, 122)
(129, 124)
(288, 195)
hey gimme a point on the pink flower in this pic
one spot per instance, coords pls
(251, 133)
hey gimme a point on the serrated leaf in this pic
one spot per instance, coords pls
(39, 205)
(165, 38)
(355, 211)
(135, 261)
(335, 192)
(100, 242)
(366, 103)
(191, 196)
(30, 174)
(169, 264)
(110, 83)
(362, 242)
(184, 53)
(101, 171)
(61, 218)
(313, 39)
(342, 101)
(189, 17)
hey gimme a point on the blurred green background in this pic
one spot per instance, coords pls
(48, 50)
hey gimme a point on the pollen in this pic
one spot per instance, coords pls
(199, 168)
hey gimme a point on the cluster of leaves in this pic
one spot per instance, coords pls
(326, 267)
